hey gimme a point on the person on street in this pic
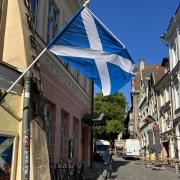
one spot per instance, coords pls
(107, 157)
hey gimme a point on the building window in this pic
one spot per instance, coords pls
(131, 127)
(167, 93)
(34, 10)
(62, 133)
(64, 136)
(76, 74)
(47, 118)
(162, 98)
(72, 146)
(174, 54)
(85, 83)
(52, 21)
(177, 96)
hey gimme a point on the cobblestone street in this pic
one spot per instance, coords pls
(132, 170)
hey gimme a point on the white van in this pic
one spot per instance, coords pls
(101, 146)
(132, 148)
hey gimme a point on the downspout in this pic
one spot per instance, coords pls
(92, 112)
(25, 162)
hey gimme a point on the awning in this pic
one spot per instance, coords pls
(94, 120)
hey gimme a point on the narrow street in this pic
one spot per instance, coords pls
(131, 170)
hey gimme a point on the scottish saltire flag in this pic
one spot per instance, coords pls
(6, 147)
(87, 45)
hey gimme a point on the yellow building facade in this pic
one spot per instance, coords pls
(15, 54)
(10, 124)
(17, 51)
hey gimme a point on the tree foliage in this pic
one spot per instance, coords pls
(113, 107)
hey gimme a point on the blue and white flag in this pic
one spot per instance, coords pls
(6, 147)
(87, 45)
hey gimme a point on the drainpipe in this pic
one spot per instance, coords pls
(25, 164)
(92, 112)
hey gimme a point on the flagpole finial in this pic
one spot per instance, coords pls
(87, 2)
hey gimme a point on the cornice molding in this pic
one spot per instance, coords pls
(56, 68)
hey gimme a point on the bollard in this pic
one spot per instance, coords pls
(177, 168)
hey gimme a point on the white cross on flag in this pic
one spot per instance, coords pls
(87, 45)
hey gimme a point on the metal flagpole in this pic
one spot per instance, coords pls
(25, 155)
(87, 2)
(66, 26)
(37, 58)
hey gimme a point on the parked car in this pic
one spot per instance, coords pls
(132, 149)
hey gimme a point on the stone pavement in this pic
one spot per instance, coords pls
(130, 170)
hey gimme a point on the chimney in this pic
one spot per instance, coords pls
(141, 64)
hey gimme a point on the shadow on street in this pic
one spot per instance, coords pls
(116, 165)
(99, 166)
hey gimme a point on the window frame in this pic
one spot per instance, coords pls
(34, 11)
(51, 22)
(177, 94)
(48, 120)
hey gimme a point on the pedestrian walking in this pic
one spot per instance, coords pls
(107, 157)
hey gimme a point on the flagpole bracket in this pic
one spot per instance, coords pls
(2, 95)
(86, 3)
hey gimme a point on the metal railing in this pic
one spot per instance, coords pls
(67, 171)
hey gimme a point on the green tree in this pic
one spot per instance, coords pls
(113, 107)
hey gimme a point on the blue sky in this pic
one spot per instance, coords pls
(139, 25)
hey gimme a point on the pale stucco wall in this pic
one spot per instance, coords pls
(17, 51)
(14, 48)
(10, 114)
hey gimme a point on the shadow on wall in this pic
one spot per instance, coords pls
(10, 110)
